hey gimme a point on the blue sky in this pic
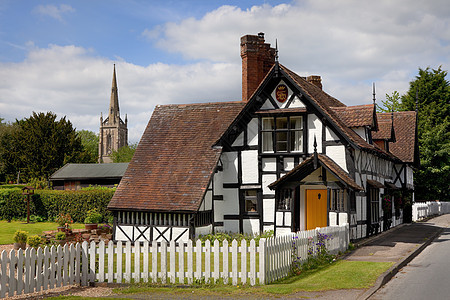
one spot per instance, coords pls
(58, 55)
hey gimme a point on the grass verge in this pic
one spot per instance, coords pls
(7, 229)
(340, 275)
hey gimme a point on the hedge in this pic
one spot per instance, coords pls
(48, 204)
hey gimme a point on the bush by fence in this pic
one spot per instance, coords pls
(50, 203)
(159, 262)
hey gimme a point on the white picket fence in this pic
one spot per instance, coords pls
(23, 272)
(279, 254)
(422, 210)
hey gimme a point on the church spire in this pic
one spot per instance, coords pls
(114, 114)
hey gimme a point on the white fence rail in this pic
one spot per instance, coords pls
(23, 272)
(423, 210)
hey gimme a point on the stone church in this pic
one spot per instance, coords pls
(113, 132)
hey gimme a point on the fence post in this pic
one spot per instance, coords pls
(4, 262)
(262, 261)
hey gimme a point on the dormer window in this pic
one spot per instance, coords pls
(282, 134)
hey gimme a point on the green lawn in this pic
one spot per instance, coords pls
(7, 229)
(340, 275)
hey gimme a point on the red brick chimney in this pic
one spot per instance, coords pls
(257, 59)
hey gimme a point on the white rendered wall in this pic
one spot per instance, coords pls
(296, 103)
(251, 226)
(231, 225)
(361, 131)
(230, 201)
(269, 164)
(330, 135)
(203, 230)
(120, 236)
(218, 210)
(267, 105)
(266, 180)
(283, 231)
(230, 167)
(250, 166)
(333, 218)
(218, 183)
(268, 210)
(314, 129)
(288, 163)
(252, 132)
(343, 218)
(239, 140)
(337, 154)
(409, 175)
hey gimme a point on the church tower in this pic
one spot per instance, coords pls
(113, 131)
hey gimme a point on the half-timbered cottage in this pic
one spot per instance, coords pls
(287, 157)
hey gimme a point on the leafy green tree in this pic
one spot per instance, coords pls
(124, 154)
(392, 103)
(432, 91)
(89, 140)
(7, 150)
(40, 146)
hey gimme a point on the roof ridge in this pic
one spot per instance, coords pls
(200, 104)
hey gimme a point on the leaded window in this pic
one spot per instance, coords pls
(282, 134)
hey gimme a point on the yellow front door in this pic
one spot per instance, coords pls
(316, 208)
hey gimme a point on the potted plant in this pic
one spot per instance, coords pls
(20, 239)
(93, 217)
(64, 221)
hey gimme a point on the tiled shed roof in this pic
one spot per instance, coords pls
(174, 160)
(90, 171)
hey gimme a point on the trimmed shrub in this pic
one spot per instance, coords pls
(20, 236)
(60, 236)
(35, 241)
(49, 204)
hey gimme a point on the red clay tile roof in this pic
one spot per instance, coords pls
(384, 127)
(174, 160)
(405, 134)
(357, 116)
(325, 161)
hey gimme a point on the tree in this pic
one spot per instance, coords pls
(7, 150)
(432, 91)
(124, 154)
(392, 103)
(40, 146)
(89, 140)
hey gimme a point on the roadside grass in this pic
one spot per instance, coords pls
(7, 230)
(340, 275)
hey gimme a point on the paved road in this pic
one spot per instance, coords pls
(425, 277)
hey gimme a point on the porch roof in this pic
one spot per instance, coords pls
(309, 165)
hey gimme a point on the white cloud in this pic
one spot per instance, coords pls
(349, 43)
(54, 11)
(70, 81)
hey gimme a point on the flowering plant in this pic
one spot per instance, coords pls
(387, 203)
(64, 220)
